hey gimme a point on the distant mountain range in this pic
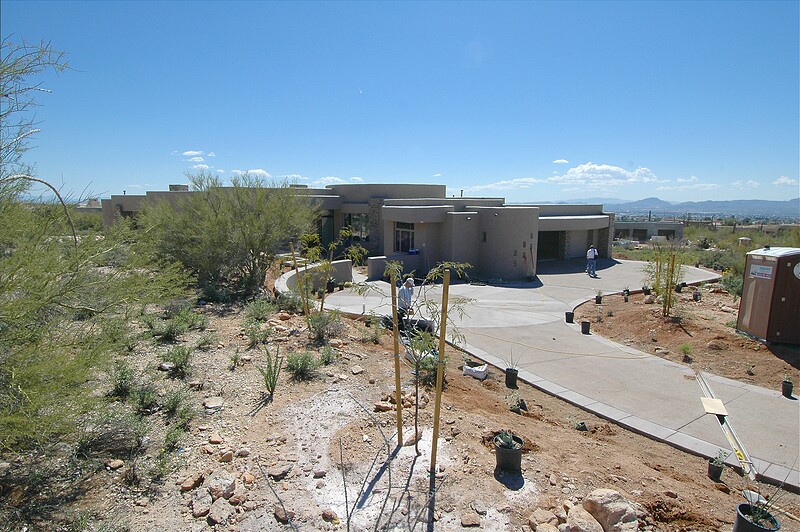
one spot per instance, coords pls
(751, 208)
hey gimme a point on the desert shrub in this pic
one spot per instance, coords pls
(372, 332)
(427, 371)
(328, 356)
(732, 282)
(686, 348)
(290, 302)
(174, 400)
(180, 357)
(146, 398)
(256, 334)
(206, 341)
(123, 379)
(271, 371)
(115, 434)
(302, 366)
(172, 438)
(259, 310)
(325, 325)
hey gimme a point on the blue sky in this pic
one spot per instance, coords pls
(533, 101)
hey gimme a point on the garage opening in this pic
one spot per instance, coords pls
(547, 248)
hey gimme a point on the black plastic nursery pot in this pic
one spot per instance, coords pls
(511, 377)
(598, 299)
(714, 471)
(509, 459)
(696, 296)
(585, 327)
(786, 388)
(744, 516)
(569, 317)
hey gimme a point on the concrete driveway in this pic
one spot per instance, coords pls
(639, 391)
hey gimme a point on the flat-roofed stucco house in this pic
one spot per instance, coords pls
(420, 226)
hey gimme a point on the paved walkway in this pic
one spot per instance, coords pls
(641, 392)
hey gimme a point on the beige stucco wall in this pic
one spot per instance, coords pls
(363, 192)
(509, 251)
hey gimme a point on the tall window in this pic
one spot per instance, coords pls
(403, 237)
(360, 225)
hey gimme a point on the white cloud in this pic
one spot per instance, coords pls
(211, 154)
(784, 181)
(329, 180)
(356, 180)
(192, 153)
(294, 177)
(195, 160)
(256, 172)
(436, 175)
(591, 175)
(749, 184)
(133, 186)
(509, 184)
(753, 184)
(692, 179)
(220, 171)
(201, 167)
(560, 161)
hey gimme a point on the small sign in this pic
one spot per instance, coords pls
(714, 406)
(760, 272)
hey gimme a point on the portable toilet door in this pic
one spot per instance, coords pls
(770, 303)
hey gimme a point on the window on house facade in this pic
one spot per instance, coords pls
(360, 226)
(403, 237)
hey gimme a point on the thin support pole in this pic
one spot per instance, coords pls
(299, 282)
(440, 370)
(397, 392)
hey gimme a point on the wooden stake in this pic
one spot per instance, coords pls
(299, 282)
(397, 393)
(440, 370)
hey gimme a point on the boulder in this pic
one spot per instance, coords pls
(579, 520)
(541, 516)
(201, 503)
(220, 511)
(221, 484)
(613, 511)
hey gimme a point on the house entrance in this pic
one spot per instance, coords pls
(547, 249)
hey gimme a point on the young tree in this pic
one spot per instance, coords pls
(229, 236)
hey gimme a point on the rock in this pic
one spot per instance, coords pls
(192, 482)
(279, 471)
(195, 385)
(579, 520)
(213, 403)
(716, 345)
(166, 366)
(215, 438)
(243, 452)
(201, 503)
(381, 406)
(540, 516)
(248, 478)
(546, 527)
(284, 316)
(470, 519)
(553, 480)
(336, 342)
(357, 370)
(320, 473)
(721, 486)
(283, 516)
(209, 449)
(613, 511)
(479, 507)
(113, 465)
(724, 308)
(671, 494)
(330, 516)
(239, 495)
(414, 438)
(649, 300)
(220, 511)
(249, 506)
(221, 484)
(226, 456)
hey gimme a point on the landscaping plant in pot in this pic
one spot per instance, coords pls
(646, 290)
(508, 451)
(787, 386)
(755, 517)
(598, 298)
(716, 465)
(512, 371)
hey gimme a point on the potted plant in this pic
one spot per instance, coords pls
(598, 298)
(787, 386)
(626, 291)
(508, 451)
(696, 295)
(515, 403)
(755, 515)
(716, 465)
(512, 371)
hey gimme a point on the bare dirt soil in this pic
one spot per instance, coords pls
(317, 451)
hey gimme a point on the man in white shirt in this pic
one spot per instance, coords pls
(404, 298)
(591, 261)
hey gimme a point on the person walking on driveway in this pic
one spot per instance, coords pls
(404, 299)
(591, 261)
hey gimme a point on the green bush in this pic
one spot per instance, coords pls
(325, 325)
(259, 310)
(427, 371)
(146, 398)
(180, 357)
(290, 302)
(206, 341)
(302, 366)
(124, 379)
(732, 282)
(328, 356)
(256, 334)
(271, 371)
(373, 332)
(174, 401)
